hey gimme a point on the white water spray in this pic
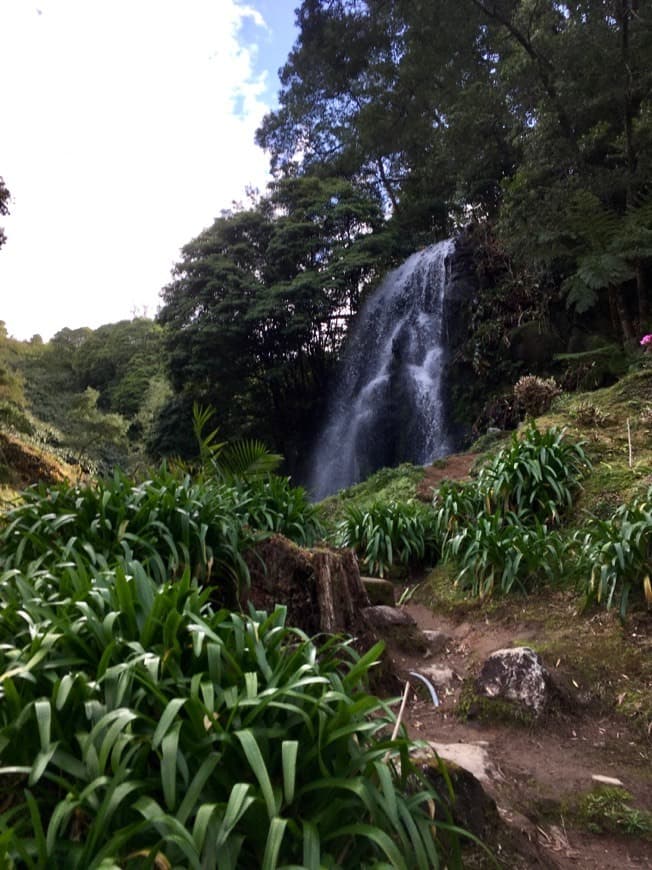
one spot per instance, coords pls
(388, 405)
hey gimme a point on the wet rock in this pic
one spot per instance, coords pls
(381, 616)
(379, 591)
(518, 676)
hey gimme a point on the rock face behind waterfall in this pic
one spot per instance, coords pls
(388, 405)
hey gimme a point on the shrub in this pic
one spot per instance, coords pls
(140, 728)
(534, 395)
(497, 529)
(165, 522)
(535, 477)
(168, 522)
(390, 533)
(499, 554)
(588, 414)
(273, 504)
(615, 555)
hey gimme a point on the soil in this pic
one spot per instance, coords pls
(536, 773)
(455, 467)
(25, 464)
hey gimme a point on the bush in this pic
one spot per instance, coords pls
(390, 533)
(274, 505)
(536, 477)
(615, 555)
(499, 554)
(168, 522)
(534, 395)
(139, 727)
(497, 529)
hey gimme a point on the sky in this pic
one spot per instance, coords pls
(126, 127)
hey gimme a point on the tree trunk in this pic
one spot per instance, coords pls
(321, 588)
(620, 315)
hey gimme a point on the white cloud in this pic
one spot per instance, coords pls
(120, 142)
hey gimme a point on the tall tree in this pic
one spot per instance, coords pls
(258, 307)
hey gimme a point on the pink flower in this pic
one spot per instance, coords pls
(647, 339)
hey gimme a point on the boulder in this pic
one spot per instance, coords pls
(471, 807)
(517, 675)
(395, 626)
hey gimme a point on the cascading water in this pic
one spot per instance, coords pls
(388, 405)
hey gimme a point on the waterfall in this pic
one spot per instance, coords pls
(388, 405)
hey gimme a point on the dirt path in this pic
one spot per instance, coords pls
(536, 773)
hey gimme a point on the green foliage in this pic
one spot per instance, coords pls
(138, 726)
(91, 430)
(389, 533)
(259, 306)
(615, 556)
(535, 477)
(607, 810)
(385, 485)
(166, 522)
(499, 554)
(497, 529)
(230, 461)
(273, 504)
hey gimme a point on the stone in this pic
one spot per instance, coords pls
(395, 626)
(437, 640)
(516, 675)
(381, 616)
(607, 780)
(442, 677)
(472, 808)
(379, 591)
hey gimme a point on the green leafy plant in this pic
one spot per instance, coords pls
(536, 477)
(166, 522)
(607, 810)
(498, 553)
(497, 530)
(139, 727)
(390, 533)
(225, 460)
(273, 504)
(615, 555)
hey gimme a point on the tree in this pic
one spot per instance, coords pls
(397, 95)
(512, 110)
(5, 196)
(93, 433)
(258, 308)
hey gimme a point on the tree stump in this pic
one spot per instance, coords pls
(321, 588)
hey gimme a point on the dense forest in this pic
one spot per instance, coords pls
(398, 124)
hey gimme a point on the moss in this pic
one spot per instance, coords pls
(472, 705)
(388, 484)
